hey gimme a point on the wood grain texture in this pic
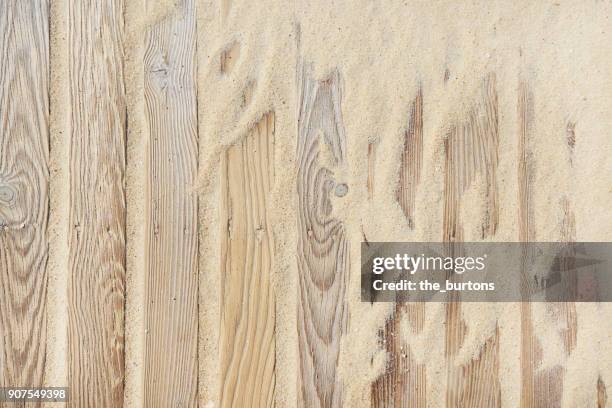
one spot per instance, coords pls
(24, 201)
(525, 165)
(570, 132)
(567, 310)
(529, 346)
(476, 383)
(412, 160)
(404, 383)
(602, 395)
(96, 294)
(247, 333)
(471, 150)
(323, 247)
(539, 387)
(543, 387)
(171, 316)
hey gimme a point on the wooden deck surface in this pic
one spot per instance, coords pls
(242, 339)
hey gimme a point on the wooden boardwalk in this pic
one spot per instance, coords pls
(177, 326)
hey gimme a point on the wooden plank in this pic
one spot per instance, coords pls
(247, 333)
(171, 316)
(526, 234)
(323, 246)
(539, 387)
(471, 150)
(96, 294)
(404, 383)
(543, 387)
(24, 201)
(412, 160)
(567, 310)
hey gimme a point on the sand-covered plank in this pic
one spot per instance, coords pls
(404, 383)
(323, 246)
(471, 153)
(247, 334)
(24, 201)
(412, 160)
(171, 316)
(542, 386)
(96, 293)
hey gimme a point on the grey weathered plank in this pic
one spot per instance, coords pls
(247, 334)
(24, 202)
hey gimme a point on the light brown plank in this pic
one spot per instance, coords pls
(323, 247)
(471, 150)
(96, 294)
(171, 316)
(247, 333)
(24, 201)
(412, 160)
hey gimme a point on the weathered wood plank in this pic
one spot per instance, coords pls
(412, 160)
(471, 149)
(526, 234)
(542, 387)
(525, 166)
(372, 147)
(323, 246)
(567, 310)
(247, 333)
(171, 316)
(539, 387)
(404, 384)
(96, 294)
(602, 395)
(24, 201)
